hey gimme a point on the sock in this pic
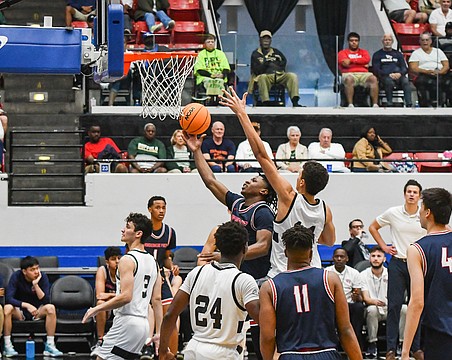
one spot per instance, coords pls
(51, 340)
(7, 340)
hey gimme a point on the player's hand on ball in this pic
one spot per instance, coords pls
(193, 141)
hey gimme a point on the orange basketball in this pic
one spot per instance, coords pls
(195, 119)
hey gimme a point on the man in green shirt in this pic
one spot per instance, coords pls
(147, 148)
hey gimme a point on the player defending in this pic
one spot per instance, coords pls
(137, 282)
(304, 305)
(430, 267)
(220, 297)
(294, 205)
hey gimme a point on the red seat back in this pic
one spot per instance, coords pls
(188, 32)
(427, 166)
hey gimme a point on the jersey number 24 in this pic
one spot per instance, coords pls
(201, 310)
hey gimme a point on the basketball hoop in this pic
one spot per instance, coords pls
(163, 78)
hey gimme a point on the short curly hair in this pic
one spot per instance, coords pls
(315, 176)
(298, 237)
(141, 223)
(231, 238)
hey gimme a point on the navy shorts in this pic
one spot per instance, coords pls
(323, 355)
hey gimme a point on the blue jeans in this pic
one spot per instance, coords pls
(160, 15)
(398, 283)
(403, 82)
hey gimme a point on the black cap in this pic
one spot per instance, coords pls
(449, 25)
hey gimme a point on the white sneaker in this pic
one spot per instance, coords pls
(155, 28)
(9, 351)
(375, 105)
(351, 105)
(51, 350)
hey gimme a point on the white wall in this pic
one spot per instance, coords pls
(192, 210)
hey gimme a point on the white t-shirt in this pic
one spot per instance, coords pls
(376, 286)
(437, 17)
(335, 151)
(393, 5)
(350, 279)
(244, 152)
(405, 228)
(218, 295)
(430, 61)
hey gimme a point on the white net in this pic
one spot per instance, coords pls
(162, 82)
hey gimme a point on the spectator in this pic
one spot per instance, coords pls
(354, 68)
(391, 70)
(147, 148)
(80, 10)
(268, 67)
(370, 146)
(351, 282)
(27, 298)
(375, 295)
(150, 10)
(217, 149)
(105, 289)
(440, 17)
(128, 9)
(291, 150)
(325, 149)
(400, 11)
(355, 247)
(445, 43)
(432, 69)
(178, 150)
(211, 68)
(245, 153)
(427, 6)
(99, 147)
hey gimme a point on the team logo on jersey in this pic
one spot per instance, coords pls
(3, 41)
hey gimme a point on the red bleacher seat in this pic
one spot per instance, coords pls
(188, 32)
(79, 24)
(408, 34)
(400, 156)
(184, 10)
(348, 155)
(162, 36)
(443, 166)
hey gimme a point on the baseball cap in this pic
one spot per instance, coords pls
(449, 25)
(265, 33)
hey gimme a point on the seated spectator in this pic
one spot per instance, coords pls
(389, 66)
(374, 282)
(127, 6)
(440, 17)
(105, 289)
(427, 6)
(211, 68)
(80, 10)
(445, 43)
(179, 151)
(150, 10)
(98, 148)
(370, 146)
(245, 153)
(291, 150)
(217, 148)
(27, 298)
(268, 67)
(325, 149)
(147, 148)
(400, 11)
(432, 69)
(351, 282)
(354, 68)
(356, 249)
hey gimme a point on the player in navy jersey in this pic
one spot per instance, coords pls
(252, 208)
(430, 267)
(159, 245)
(294, 205)
(304, 305)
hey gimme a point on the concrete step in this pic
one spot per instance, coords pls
(45, 108)
(36, 82)
(48, 168)
(45, 139)
(47, 154)
(47, 198)
(43, 121)
(53, 95)
(48, 181)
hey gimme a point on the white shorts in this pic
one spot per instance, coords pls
(196, 350)
(125, 339)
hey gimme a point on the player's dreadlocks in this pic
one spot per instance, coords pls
(271, 199)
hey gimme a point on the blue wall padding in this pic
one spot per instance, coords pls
(115, 39)
(30, 50)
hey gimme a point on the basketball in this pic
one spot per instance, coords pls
(195, 119)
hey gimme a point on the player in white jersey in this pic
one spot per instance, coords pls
(137, 283)
(220, 296)
(297, 205)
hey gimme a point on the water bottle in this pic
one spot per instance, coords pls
(30, 348)
(329, 168)
(92, 102)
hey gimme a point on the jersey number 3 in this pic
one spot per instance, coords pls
(302, 298)
(215, 312)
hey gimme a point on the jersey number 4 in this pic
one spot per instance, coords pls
(302, 298)
(446, 261)
(215, 312)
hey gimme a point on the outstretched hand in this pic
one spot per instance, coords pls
(232, 101)
(193, 141)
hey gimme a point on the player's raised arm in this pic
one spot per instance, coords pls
(280, 184)
(347, 335)
(216, 187)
